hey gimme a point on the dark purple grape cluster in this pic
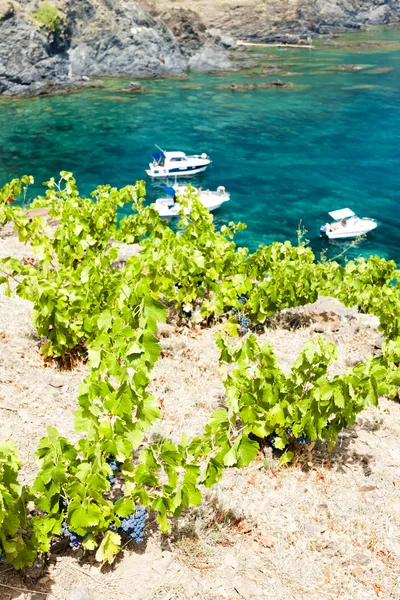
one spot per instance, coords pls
(62, 504)
(133, 524)
(301, 441)
(115, 467)
(75, 540)
(244, 323)
(2, 552)
(241, 316)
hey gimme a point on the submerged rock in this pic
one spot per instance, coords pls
(47, 88)
(380, 70)
(135, 87)
(348, 68)
(278, 72)
(280, 83)
(266, 73)
(330, 42)
(254, 55)
(241, 87)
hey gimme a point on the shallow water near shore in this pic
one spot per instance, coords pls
(286, 155)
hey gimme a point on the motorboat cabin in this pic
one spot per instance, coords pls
(177, 164)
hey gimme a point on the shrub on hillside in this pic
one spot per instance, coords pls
(49, 17)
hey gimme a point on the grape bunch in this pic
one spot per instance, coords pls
(304, 439)
(244, 323)
(271, 440)
(2, 552)
(133, 524)
(75, 540)
(62, 504)
(240, 315)
(115, 467)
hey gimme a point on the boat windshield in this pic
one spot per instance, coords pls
(158, 159)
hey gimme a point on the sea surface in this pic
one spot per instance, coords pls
(287, 156)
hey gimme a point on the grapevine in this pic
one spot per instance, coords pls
(82, 299)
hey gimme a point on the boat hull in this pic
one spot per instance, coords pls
(345, 232)
(210, 200)
(175, 172)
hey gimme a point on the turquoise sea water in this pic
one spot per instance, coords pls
(285, 155)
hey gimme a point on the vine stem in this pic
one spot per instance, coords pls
(237, 433)
(353, 244)
(9, 275)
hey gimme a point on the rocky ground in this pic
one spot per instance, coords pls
(327, 526)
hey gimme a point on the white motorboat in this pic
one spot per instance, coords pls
(177, 164)
(169, 207)
(347, 225)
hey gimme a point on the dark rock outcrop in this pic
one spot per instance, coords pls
(204, 50)
(101, 37)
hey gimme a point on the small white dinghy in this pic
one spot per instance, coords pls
(347, 225)
(177, 164)
(169, 206)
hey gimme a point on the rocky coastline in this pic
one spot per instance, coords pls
(62, 46)
(286, 21)
(91, 39)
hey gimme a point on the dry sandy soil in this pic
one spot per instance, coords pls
(326, 527)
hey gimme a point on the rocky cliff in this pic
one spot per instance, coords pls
(286, 20)
(50, 48)
(58, 45)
